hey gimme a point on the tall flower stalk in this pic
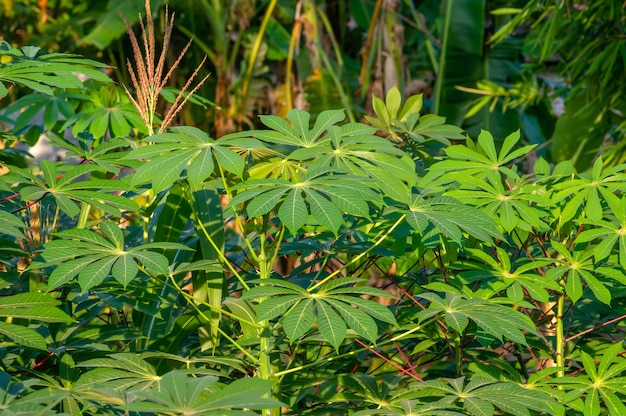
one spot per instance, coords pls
(149, 77)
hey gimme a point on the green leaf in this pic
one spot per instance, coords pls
(573, 287)
(109, 26)
(372, 308)
(95, 273)
(24, 300)
(242, 393)
(39, 313)
(331, 326)
(293, 212)
(299, 320)
(153, 262)
(124, 269)
(381, 111)
(324, 211)
(23, 336)
(324, 120)
(265, 202)
(201, 167)
(229, 160)
(393, 100)
(10, 225)
(65, 272)
(478, 407)
(356, 319)
(277, 305)
(600, 291)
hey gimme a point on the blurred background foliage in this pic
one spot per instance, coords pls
(498, 65)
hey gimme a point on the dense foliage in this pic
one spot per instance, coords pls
(315, 265)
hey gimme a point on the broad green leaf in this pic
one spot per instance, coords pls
(331, 326)
(293, 212)
(23, 336)
(24, 300)
(201, 167)
(10, 225)
(113, 232)
(39, 313)
(372, 308)
(299, 320)
(573, 287)
(275, 306)
(393, 100)
(356, 319)
(124, 269)
(280, 125)
(265, 202)
(324, 120)
(247, 393)
(324, 211)
(153, 262)
(95, 273)
(478, 407)
(300, 120)
(65, 272)
(229, 160)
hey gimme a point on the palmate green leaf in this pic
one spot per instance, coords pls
(497, 320)
(124, 269)
(517, 400)
(94, 273)
(10, 225)
(484, 159)
(299, 320)
(128, 362)
(24, 300)
(93, 258)
(23, 336)
(450, 217)
(344, 193)
(43, 72)
(331, 326)
(66, 193)
(324, 120)
(191, 148)
(324, 211)
(293, 211)
(39, 313)
(242, 393)
(371, 308)
(356, 319)
(275, 306)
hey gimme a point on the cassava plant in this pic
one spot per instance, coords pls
(308, 268)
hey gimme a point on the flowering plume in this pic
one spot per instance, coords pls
(148, 77)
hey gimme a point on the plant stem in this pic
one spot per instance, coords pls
(560, 339)
(265, 370)
(84, 215)
(442, 58)
(254, 53)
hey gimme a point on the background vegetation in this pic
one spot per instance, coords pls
(363, 208)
